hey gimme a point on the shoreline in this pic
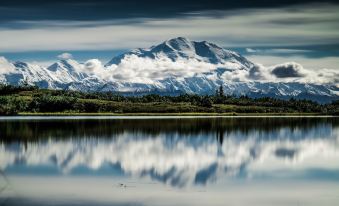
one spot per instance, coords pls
(232, 114)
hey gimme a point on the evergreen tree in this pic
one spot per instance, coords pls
(221, 91)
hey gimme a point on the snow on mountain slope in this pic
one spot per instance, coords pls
(207, 84)
(67, 71)
(20, 72)
(56, 76)
(173, 67)
(34, 74)
(183, 48)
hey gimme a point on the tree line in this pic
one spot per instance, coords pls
(25, 98)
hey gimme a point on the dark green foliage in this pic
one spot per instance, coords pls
(206, 101)
(219, 95)
(49, 103)
(221, 91)
(10, 105)
(10, 89)
(30, 99)
(7, 110)
(88, 107)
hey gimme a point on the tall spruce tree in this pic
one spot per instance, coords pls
(221, 91)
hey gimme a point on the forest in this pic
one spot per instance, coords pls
(28, 99)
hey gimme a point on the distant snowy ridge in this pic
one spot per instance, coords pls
(174, 67)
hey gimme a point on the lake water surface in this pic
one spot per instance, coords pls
(169, 161)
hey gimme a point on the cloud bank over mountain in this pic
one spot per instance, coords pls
(146, 70)
(303, 31)
(178, 65)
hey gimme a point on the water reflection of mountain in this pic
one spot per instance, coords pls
(178, 152)
(30, 130)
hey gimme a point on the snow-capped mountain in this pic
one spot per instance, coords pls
(57, 76)
(173, 67)
(183, 48)
(67, 71)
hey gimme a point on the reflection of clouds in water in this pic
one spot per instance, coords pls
(180, 160)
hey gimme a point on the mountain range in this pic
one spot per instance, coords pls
(173, 67)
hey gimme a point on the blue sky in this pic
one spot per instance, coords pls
(266, 32)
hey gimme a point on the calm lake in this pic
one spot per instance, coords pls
(169, 161)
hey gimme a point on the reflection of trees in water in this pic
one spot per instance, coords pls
(30, 130)
(220, 136)
(4, 183)
(227, 145)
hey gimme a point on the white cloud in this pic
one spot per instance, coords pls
(134, 69)
(288, 70)
(317, 70)
(314, 64)
(250, 50)
(93, 65)
(96, 68)
(65, 56)
(259, 72)
(299, 25)
(276, 51)
(6, 66)
(146, 70)
(322, 77)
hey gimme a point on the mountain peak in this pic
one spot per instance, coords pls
(179, 38)
(20, 64)
(67, 70)
(66, 64)
(179, 43)
(183, 48)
